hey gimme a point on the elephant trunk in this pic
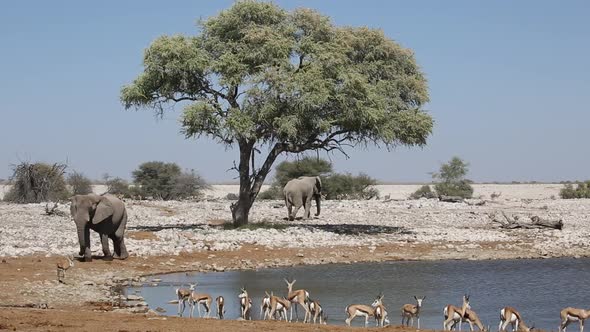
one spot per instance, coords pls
(317, 203)
(84, 239)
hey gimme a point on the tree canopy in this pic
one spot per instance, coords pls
(258, 76)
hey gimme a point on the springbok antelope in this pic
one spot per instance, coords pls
(220, 304)
(569, 315)
(453, 314)
(199, 298)
(278, 305)
(509, 315)
(183, 295)
(409, 311)
(62, 266)
(265, 306)
(376, 310)
(314, 308)
(245, 305)
(296, 297)
(472, 318)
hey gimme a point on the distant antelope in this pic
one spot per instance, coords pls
(314, 308)
(472, 318)
(296, 297)
(220, 303)
(265, 306)
(409, 311)
(199, 298)
(453, 314)
(245, 305)
(62, 266)
(569, 315)
(278, 305)
(183, 295)
(366, 311)
(509, 315)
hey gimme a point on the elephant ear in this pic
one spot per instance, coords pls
(104, 209)
(318, 185)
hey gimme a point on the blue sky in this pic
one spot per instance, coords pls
(509, 82)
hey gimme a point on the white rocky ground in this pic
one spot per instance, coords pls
(183, 226)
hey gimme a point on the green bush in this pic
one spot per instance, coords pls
(274, 192)
(460, 188)
(37, 182)
(166, 181)
(348, 186)
(581, 190)
(79, 184)
(334, 185)
(423, 192)
(306, 166)
(117, 186)
(451, 179)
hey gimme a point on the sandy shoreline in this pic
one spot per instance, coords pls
(177, 236)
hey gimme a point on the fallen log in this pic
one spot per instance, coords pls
(451, 199)
(535, 223)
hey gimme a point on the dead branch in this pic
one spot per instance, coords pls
(507, 222)
(50, 211)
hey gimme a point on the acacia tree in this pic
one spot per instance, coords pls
(262, 79)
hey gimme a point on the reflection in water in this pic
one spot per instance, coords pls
(539, 289)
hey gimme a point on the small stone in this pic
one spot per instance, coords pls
(300, 255)
(160, 309)
(134, 298)
(89, 283)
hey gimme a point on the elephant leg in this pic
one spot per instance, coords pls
(120, 249)
(104, 241)
(84, 239)
(307, 207)
(295, 212)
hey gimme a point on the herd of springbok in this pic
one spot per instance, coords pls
(276, 307)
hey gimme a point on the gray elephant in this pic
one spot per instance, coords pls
(299, 192)
(106, 215)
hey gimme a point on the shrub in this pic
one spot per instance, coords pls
(306, 166)
(423, 192)
(274, 192)
(348, 186)
(79, 184)
(165, 181)
(188, 185)
(581, 190)
(117, 186)
(462, 189)
(452, 180)
(37, 182)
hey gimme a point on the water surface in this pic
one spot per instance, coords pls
(539, 289)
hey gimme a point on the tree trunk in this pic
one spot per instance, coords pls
(241, 208)
(250, 185)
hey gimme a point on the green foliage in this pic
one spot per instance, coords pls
(453, 171)
(306, 166)
(257, 74)
(79, 184)
(452, 179)
(274, 192)
(423, 192)
(334, 185)
(37, 182)
(348, 186)
(460, 188)
(166, 181)
(581, 190)
(118, 186)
